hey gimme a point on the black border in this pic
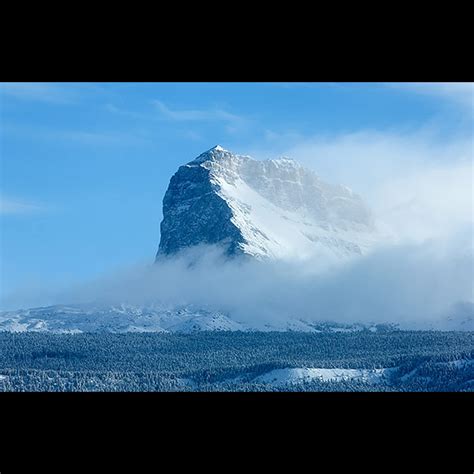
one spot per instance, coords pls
(399, 426)
(43, 427)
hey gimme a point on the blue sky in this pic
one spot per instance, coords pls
(84, 166)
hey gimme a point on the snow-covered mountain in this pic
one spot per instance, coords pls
(77, 318)
(119, 318)
(264, 209)
(115, 318)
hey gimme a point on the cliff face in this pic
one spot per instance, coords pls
(264, 209)
(195, 213)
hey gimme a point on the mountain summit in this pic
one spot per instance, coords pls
(265, 209)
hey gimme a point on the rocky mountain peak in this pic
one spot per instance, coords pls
(265, 209)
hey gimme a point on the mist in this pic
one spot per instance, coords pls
(402, 283)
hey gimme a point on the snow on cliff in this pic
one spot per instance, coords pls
(265, 209)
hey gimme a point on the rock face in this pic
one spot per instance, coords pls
(264, 209)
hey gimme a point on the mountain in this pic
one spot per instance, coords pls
(269, 209)
(119, 318)
(115, 318)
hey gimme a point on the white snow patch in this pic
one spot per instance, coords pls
(284, 210)
(280, 377)
(116, 318)
(273, 232)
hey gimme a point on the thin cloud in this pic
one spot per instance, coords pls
(109, 107)
(185, 115)
(12, 206)
(459, 93)
(232, 123)
(96, 138)
(38, 91)
(78, 137)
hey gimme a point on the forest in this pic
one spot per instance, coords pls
(234, 361)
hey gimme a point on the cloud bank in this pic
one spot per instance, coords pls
(406, 284)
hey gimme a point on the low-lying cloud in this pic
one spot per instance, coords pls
(405, 283)
(393, 284)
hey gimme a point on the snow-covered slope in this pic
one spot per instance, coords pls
(282, 377)
(132, 318)
(151, 318)
(265, 209)
(77, 318)
(115, 318)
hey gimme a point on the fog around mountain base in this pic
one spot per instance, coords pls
(411, 285)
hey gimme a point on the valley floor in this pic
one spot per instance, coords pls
(238, 361)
